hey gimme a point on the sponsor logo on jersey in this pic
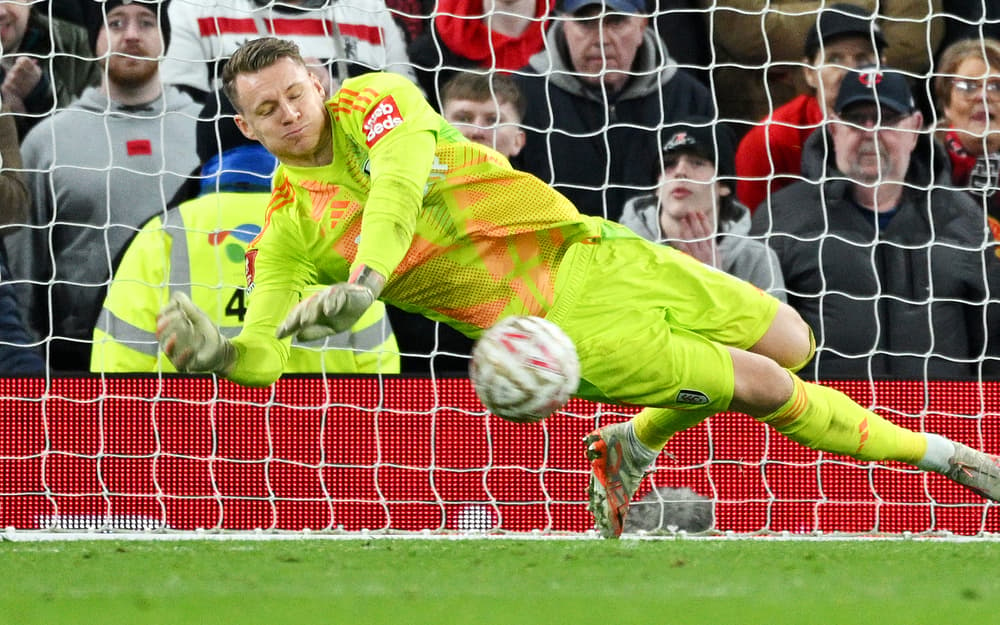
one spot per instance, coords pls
(380, 120)
(235, 251)
(251, 258)
(687, 396)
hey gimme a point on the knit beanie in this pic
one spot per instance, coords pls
(97, 20)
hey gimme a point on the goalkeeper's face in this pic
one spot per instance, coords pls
(282, 106)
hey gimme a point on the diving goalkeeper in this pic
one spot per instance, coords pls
(378, 196)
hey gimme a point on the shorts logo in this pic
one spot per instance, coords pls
(251, 258)
(383, 118)
(687, 396)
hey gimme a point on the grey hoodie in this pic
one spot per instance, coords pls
(746, 258)
(97, 171)
(590, 143)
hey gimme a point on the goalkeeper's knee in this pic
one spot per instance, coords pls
(809, 354)
(789, 340)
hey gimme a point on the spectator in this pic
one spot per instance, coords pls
(198, 247)
(967, 90)
(694, 208)
(338, 39)
(481, 34)
(45, 63)
(769, 156)
(487, 109)
(758, 46)
(413, 16)
(894, 273)
(97, 171)
(16, 355)
(603, 84)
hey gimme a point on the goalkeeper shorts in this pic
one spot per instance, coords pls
(651, 324)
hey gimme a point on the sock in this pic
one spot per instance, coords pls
(645, 454)
(938, 455)
(823, 418)
(655, 426)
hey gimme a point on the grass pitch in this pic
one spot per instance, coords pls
(500, 582)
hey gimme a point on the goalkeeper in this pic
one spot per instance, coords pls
(378, 196)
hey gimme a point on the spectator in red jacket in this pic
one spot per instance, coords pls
(769, 156)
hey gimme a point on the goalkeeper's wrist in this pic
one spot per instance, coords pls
(227, 359)
(367, 277)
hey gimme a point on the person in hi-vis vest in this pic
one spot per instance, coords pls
(198, 247)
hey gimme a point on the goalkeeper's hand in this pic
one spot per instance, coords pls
(190, 340)
(334, 310)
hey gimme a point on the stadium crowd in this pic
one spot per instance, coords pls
(724, 129)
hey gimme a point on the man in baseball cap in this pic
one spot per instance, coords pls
(694, 208)
(877, 129)
(770, 155)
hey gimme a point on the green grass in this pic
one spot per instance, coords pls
(523, 582)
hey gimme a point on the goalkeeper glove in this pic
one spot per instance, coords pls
(334, 310)
(190, 340)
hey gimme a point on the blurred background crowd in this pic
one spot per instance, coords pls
(843, 156)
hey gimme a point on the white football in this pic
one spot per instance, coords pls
(524, 368)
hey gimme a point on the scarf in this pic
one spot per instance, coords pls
(465, 32)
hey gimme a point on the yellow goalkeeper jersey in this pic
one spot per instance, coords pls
(461, 236)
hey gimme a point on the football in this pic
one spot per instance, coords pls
(524, 368)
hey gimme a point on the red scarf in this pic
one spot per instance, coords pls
(464, 31)
(961, 161)
(961, 168)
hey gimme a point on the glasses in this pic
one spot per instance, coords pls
(887, 119)
(971, 87)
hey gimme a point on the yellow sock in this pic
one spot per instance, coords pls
(823, 418)
(655, 426)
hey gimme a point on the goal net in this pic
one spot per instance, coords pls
(167, 453)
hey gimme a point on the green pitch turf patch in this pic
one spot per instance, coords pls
(483, 582)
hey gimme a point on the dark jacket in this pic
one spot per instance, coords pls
(587, 142)
(16, 356)
(905, 301)
(68, 67)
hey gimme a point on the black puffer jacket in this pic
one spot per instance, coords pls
(919, 299)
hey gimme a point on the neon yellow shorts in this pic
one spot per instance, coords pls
(651, 324)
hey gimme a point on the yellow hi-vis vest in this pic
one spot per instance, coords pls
(199, 248)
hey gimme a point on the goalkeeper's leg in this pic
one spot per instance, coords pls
(816, 416)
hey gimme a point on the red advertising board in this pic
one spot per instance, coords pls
(353, 453)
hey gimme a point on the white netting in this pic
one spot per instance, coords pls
(385, 453)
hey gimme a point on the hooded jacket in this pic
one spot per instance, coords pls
(742, 256)
(583, 140)
(97, 171)
(910, 299)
